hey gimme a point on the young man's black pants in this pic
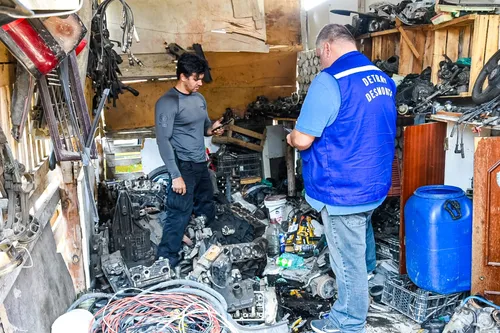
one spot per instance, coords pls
(198, 200)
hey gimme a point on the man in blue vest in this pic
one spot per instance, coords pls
(345, 133)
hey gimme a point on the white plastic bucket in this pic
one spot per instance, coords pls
(75, 321)
(275, 205)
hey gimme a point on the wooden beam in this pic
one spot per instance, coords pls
(478, 49)
(409, 42)
(439, 50)
(72, 248)
(461, 21)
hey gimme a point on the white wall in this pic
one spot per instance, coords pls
(459, 171)
(320, 16)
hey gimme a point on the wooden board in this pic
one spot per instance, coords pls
(210, 23)
(486, 224)
(406, 56)
(465, 41)
(5, 55)
(439, 49)
(428, 49)
(492, 40)
(478, 48)
(452, 44)
(423, 164)
(283, 25)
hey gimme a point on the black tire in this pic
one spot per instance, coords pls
(489, 70)
(160, 171)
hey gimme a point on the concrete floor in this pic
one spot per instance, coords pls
(389, 322)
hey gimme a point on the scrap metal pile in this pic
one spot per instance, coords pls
(231, 259)
(382, 15)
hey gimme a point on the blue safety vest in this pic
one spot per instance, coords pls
(351, 163)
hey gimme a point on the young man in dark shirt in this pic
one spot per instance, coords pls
(181, 122)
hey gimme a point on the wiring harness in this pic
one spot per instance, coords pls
(103, 60)
(173, 306)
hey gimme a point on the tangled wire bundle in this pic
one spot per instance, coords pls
(159, 312)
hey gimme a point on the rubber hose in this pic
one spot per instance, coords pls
(482, 300)
(189, 283)
(86, 297)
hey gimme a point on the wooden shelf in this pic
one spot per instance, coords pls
(446, 118)
(457, 22)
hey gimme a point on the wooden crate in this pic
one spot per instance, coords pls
(412, 44)
(228, 138)
(474, 36)
(379, 45)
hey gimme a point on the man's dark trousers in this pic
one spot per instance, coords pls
(198, 200)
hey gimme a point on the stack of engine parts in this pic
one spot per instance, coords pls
(475, 315)
(130, 229)
(308, 68)
(286, 107)
(382, 16)
(21, 227)
(457, 73)
(416, 94)
(246, 297)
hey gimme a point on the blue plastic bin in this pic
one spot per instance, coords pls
(438, 225)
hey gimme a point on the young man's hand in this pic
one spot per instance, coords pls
(215, 131)
(178, 186)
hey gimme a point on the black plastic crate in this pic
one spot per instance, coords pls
(387, 247)
(420, 305)
(239, 165)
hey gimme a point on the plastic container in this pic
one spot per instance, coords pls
(273, 239)
(275, 205)
(438, 225)
(420, 305)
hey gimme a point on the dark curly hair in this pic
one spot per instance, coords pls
(190, 63)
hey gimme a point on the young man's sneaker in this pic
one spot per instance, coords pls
(323, 326)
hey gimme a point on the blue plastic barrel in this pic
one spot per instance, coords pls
(438, 225)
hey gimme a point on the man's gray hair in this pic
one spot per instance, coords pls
(332, 33)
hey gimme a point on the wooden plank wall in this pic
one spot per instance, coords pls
(422, 40)
(477, 40)
(238, 77)
(385, 46)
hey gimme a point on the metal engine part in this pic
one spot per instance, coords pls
(142, 276)
(129, 234)
(417, 12)
(239, 295)
(116, 271)
(16, 257)
(245, 251)
(221, 269)
(323, 286)
(205, 263)
(255, 313)
(472, 318)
